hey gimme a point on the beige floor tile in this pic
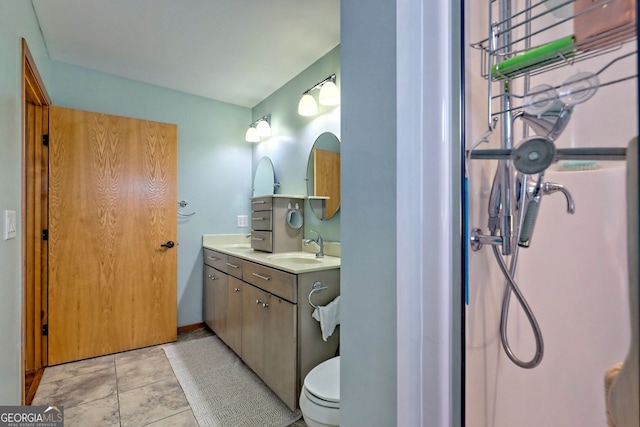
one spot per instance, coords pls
(152, 368)
(153, 402)
(136, 355)
(99, 413)
(70, 392)
(183, 419)
(73, 369)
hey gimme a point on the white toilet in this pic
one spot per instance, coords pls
(320, 396)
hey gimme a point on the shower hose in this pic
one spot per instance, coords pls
(512, 286)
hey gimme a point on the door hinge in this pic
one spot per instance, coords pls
(45, 140)
(45, 234)
(45, 330)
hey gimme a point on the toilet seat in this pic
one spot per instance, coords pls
(322, 384)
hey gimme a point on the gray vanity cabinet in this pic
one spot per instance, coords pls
(269, 341)
(222, 309)
(216, 290)
(269, 229)
(234, 315)
(264, 315)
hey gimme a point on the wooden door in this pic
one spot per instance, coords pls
(112, 203)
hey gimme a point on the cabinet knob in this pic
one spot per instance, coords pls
(265, 305)
(236, 289)
(258, 301)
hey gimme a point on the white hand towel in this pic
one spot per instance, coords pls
(328, 316)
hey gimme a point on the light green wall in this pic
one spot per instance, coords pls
(293, 136)
(214, 161)
(17, 21)
(368, 381)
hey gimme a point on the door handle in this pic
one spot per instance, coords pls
(168, 245)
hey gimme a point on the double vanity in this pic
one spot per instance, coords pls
(260, 305)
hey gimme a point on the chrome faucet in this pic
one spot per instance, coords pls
(319, 242)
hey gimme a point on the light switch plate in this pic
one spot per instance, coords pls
(9, 225)
(243, 220)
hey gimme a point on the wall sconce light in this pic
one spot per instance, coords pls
(329, 95)
(261, 128)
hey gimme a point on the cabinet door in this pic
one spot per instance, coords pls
(253, 327)
(234, 315)
(280, 362)
(208, 307)
(215, 301)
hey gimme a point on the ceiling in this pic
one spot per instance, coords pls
(236, 51)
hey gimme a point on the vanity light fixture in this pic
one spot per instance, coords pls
(329, 95)
(259, 129)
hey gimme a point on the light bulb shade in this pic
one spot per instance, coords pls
(252, 135)
(263, 128)
(307, 106)
(329, 94)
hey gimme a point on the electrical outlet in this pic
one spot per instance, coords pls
(243, 220)
(9, 225)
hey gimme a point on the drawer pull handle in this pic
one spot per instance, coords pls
(257, 238)
(212, 258)
(232, 265)
(259, 202)
(258, 219)
(261, 276)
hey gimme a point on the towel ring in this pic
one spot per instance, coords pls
(182, 204)
(317, 287)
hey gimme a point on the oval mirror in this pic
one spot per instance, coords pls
(323, 176)
(264, 181)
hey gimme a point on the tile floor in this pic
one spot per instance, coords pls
(130, 389)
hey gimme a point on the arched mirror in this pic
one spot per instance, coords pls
(323, 176)
(264, 181)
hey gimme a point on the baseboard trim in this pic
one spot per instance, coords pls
(189, 328)
(32, 382)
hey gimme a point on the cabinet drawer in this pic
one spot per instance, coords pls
(216, 260)
(261, 220)
(234, 267)
(279, 283)
(261, 203)
(262, 241)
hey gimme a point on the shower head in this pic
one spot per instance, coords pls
(549, 124)
(533, 154)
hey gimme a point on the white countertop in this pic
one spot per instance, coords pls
(238, 245)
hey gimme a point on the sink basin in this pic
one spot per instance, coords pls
(296, 257)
